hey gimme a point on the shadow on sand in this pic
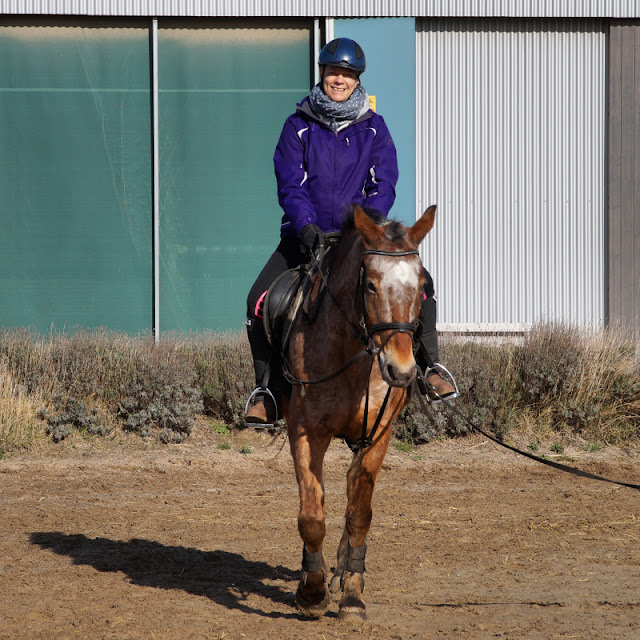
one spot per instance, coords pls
(226, 578)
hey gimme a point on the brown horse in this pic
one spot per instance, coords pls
(353, 366)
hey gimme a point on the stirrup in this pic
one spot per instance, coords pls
(257, 425)
(440, 367)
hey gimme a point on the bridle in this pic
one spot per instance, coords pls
(396, 327)
(363, 331)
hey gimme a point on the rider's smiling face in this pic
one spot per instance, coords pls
(339, 83)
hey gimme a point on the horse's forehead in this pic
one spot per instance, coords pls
(396, 272)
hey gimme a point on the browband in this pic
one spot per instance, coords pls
(399, 254)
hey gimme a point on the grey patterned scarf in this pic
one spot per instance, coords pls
(337, 114)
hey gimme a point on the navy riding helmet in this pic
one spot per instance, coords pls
(343, 52)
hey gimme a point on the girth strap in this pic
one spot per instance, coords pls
(311, 561)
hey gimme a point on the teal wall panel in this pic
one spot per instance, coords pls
(389, 44)
(75, 192)
(226, 88)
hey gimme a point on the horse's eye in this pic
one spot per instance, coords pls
(371, 287)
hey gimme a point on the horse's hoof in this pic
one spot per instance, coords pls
(310, 607)
(352, 613)
(351, 605)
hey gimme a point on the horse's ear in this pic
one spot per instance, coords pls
(370, 231)
(423, 226)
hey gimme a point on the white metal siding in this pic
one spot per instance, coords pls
(510, 145)
(335, 8)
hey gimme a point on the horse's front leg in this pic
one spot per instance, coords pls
(312, 597)
(361, 480)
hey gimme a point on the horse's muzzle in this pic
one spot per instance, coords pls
(397, 373)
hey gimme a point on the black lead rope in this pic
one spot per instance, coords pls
(526, 454)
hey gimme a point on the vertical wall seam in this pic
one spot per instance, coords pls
(155, 181)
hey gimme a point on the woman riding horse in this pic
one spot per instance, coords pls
(334, 152)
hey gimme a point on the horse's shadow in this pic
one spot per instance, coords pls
(226, 578)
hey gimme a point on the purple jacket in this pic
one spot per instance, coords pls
(321, 174)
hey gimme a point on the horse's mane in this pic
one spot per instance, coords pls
(394, 231)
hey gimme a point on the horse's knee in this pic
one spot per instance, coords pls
(312, 529)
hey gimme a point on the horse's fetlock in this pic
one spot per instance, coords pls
(335, 586)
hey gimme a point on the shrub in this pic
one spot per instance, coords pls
(557, 381)
(415, 427)
(581, 382)
(162, 397)
(150, 403)
(71, 414)
(151, 390)
(224, 373)
(550, 361)
(485, 376)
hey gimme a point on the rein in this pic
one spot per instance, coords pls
(366, 338)
(556, 465)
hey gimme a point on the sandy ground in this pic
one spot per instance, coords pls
(125, 540)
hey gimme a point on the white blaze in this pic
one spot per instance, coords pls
(398, 275)
(399, 282)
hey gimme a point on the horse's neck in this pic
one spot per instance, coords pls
(345, 277)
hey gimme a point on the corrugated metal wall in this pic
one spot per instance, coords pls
(511, 131)
(336, 8)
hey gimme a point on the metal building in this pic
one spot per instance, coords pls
(136, 185)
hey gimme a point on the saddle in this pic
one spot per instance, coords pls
(281, 305)
(292, 290)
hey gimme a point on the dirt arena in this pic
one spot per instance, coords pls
(124, 540)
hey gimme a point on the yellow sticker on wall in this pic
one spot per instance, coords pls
(372, 103)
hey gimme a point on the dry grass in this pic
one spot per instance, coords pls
(20, 424)
(596, 393)
(556, 383)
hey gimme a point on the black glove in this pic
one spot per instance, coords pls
(311, 236)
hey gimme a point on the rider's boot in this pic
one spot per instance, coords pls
(262, 413)
(261, 409)
(431, 383)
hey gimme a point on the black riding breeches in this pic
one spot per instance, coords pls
(286, 256)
